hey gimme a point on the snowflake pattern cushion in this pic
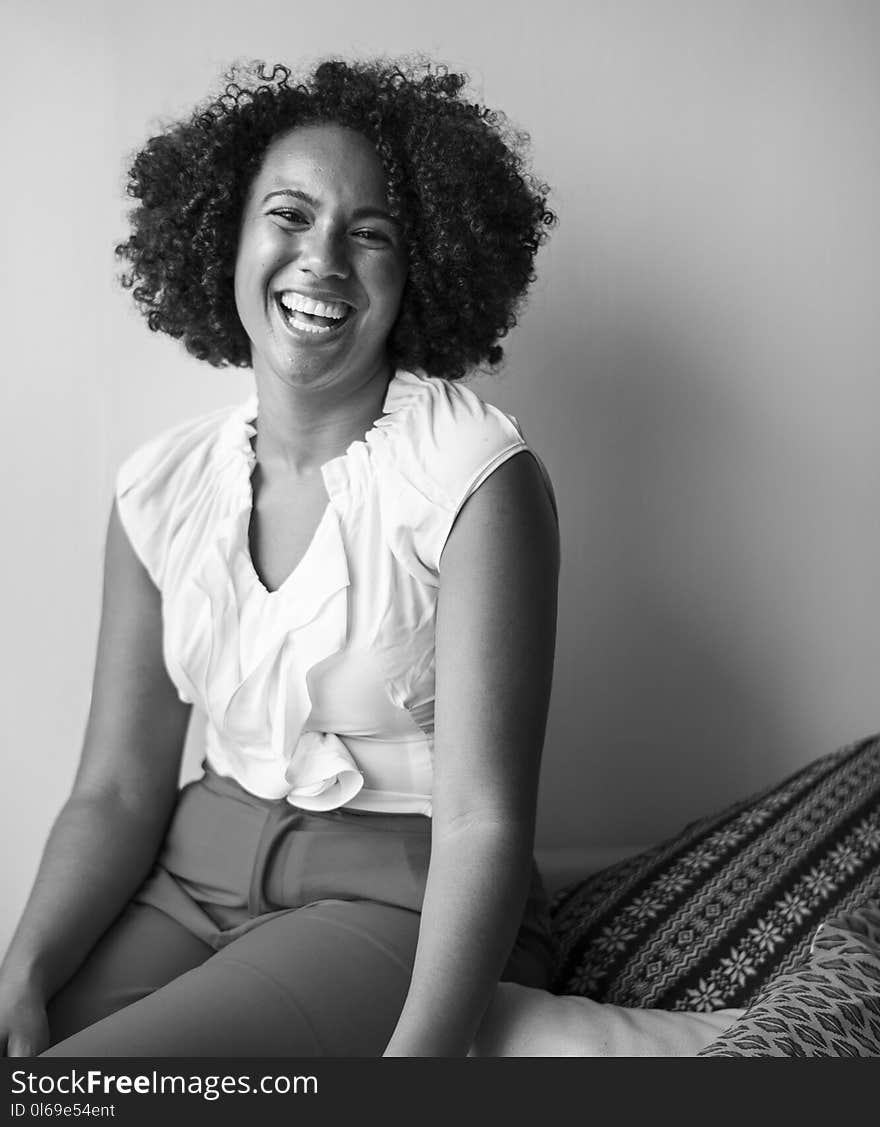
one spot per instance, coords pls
(706, 919)
(827, 1007)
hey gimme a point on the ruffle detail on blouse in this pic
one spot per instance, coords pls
(257, 698)
(322, 774)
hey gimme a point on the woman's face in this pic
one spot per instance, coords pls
(321, 265)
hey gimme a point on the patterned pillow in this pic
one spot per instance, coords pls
(706, 919)
(828, 1007)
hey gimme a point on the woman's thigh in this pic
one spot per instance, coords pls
(142, 951)
(329, 979)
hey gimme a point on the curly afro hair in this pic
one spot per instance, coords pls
(472, 216)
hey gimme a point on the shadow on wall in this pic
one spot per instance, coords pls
(669, 696)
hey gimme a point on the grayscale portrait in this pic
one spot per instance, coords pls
(442, 563)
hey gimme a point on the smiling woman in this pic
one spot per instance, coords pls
(321, 263)
(351, 575)
(471, 215)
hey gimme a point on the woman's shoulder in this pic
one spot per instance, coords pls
(436, 444)
(184, 448)
(177, 473)
(443, 436)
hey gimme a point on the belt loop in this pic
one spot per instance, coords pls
(277, 824)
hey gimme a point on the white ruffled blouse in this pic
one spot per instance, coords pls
(321, 692)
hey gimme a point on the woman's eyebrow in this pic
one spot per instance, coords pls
(295, 193)
(375, 213)
(358, 213)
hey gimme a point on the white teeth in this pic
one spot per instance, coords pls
(304, 325)
(296, 302)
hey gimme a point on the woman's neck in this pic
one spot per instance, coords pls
(299, 429)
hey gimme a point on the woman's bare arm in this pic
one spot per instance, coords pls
(106, 837)
(495, 641)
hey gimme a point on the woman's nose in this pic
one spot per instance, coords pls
(324, 253)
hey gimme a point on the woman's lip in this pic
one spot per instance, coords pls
(307, 335)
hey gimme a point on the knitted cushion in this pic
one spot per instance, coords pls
(827, 1007)
(706, 919)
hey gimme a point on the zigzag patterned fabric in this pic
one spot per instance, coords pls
(706, 919)
(828, 1007)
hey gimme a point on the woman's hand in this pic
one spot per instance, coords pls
(24, 1029)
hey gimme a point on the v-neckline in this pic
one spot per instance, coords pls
(250, 419)
(298, 566)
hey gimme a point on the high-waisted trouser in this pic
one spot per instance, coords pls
(264, 930)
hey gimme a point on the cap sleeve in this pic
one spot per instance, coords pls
(442, 447)
(158, 484)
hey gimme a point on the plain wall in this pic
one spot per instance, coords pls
(697, 366)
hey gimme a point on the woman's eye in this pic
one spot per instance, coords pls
(370, 235)
(289, 215)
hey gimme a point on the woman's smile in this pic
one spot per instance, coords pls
(315, 315)
(321, 265)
